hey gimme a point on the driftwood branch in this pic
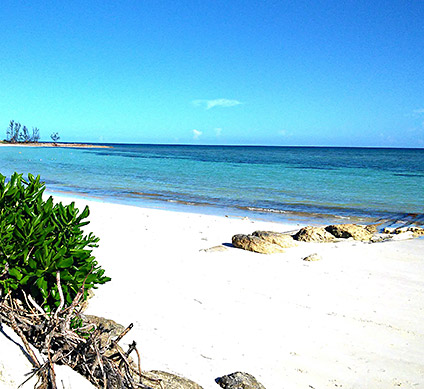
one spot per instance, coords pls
(62, 299)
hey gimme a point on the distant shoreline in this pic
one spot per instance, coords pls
(51, 144)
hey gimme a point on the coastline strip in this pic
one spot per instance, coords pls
(50, 144)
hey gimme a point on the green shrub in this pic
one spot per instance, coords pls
(39, 238)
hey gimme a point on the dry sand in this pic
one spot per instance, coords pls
(352, 320)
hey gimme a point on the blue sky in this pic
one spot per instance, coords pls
(341, 73)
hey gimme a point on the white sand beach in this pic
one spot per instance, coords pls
(352, 320)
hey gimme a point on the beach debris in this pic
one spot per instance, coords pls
(67, 337)
(313, 257)
(255, 244)
(283, 240)
(314, 234)
(215, 249)
(162, 379)
(14, 365)
(239, 380)
(354, 231)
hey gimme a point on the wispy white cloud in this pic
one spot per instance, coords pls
(419, 111)
(197, 134)
(208, 104)
(285, 133)
(218, 131)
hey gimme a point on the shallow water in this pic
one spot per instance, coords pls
(362, 183)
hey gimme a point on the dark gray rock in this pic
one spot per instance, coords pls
(239, 380)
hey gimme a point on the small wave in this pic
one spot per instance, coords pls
(313, 168)
(408, 174)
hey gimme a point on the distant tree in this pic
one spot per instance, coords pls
(16, 131)
(35, 135)
(9, 131)
(55, 137)
(24, 136)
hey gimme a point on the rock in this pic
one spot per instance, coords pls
(169, 381)
(114, 329)
(400, 230)
(372, 228)
(255, 244)
(239, 380)
(313, 257)
(388, 230)
(215, 249)
(377, 238)
(313, 234)
(417, 231)
(350, 231)
(283, 240)
(404, 236)
(84, 304)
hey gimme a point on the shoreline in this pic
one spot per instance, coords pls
(276, 191)
(352, 319)
(151, 202)
(51, 144)
(287, 217)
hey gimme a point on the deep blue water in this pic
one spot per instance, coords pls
(275, 181)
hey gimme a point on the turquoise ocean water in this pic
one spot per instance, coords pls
(266, 182)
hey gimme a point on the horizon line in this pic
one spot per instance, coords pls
(237, 145)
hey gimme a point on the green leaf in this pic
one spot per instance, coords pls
(15, 273)
(25, 280)
(32, 263)
(65, 262)
(42, 284)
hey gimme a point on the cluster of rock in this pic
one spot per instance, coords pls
(268, 242)
(416, 231)
(236, 380)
